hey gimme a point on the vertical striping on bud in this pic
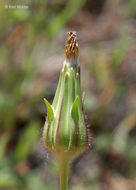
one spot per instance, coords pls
(71, 48)
(65, 133)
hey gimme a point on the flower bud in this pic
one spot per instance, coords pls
(65, 133)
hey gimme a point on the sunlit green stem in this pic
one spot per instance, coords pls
(64, 167)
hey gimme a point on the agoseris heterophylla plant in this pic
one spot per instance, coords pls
(65, 132)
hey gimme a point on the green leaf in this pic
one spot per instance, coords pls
(74, 110)
(83, 98)
(50, 114)
(28, 140)
(3, 143)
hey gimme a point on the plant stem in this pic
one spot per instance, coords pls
(64, 166)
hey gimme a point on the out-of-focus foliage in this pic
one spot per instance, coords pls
(31, 53)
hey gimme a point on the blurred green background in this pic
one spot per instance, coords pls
(32, 40)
